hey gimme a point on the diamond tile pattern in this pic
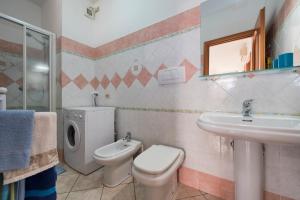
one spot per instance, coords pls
(95, 83)
(64, 79)
(129, 78)
(190, 69)
(162, 66)
(20, 82)
(5, 81)
(144, 76)
(105, 82)
(80, 81)
(116, 80)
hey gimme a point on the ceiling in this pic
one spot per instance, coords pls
(38, 2)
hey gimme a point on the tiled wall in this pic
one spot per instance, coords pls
(167, 114)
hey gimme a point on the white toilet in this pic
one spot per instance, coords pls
(156, 169)
(117, 159)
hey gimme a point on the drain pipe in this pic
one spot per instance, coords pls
(3, 98)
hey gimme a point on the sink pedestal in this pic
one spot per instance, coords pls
(248, 170)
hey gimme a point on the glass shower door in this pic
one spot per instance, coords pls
(11, 62)
(27, 65)
(37, 71)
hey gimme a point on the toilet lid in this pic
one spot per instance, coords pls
(156, 159)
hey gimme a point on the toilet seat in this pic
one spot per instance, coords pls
(156, 159)
(163, 172)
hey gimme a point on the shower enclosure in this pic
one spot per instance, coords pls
(27, 65)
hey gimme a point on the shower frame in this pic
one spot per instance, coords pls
(52, 59)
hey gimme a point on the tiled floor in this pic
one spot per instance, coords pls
(74, 186)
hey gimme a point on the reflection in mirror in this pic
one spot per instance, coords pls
(249, 35)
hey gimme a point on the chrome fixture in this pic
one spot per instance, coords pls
(127, 137)
(95, 95)
(247, 107)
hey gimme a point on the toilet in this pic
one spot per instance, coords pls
(156, 170)
(117, 160)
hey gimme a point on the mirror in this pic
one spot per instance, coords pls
(249, 35)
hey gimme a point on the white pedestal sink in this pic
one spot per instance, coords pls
(249, 134)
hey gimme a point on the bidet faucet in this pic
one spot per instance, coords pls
(247, 107)
(127, 137)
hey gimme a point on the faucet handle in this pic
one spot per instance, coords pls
(247, 102)
(128, 134)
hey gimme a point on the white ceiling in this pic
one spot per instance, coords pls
(38, 2)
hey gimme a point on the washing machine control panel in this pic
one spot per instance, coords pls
(74, 114)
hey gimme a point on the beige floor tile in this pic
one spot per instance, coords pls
(65, 183)
(128, 180)
(211, 197)
(62, 196)
(94, 194)
(91, 181)
(121, 192)
(195, 198)
(68, 170)
(139, 190)
(185, 191)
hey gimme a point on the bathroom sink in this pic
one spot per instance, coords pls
(260, 128)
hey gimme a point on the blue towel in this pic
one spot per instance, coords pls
(41, 186)
(16, 128)
(3, 189)
(20, 190)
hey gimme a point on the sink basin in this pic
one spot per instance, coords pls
(260, 128)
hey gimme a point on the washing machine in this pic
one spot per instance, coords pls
(85, 130)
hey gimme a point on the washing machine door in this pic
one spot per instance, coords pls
(72, 136)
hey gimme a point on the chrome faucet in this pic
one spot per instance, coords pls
(247, 108)
(127, 137)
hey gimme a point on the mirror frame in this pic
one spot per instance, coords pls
(259, 49)
(226, 39)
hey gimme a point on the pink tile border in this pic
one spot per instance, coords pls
(182, 21)
(75, 47)
(214, 185)
(15, 48)
(207, 183)
(173, 24)
(11, 47)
